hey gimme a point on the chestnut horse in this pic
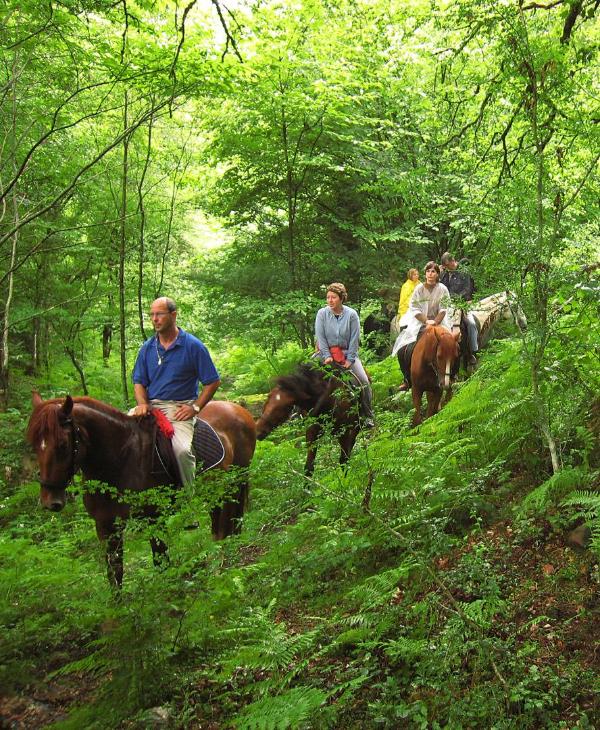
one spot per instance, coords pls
(84, 434)
(316, 390)
(430, 369)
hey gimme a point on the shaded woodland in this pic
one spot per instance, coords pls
(239, 157)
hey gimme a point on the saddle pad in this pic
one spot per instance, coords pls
(207, 446)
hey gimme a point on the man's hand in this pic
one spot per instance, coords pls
(142, 409)
(184, 413)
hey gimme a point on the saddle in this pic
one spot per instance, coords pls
(405, 355)
(206, 444)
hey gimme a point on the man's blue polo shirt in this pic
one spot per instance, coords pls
(173, 374)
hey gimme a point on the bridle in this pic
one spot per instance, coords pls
(74, 456)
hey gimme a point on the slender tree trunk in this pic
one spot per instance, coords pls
(142, 211)
(543, 255)
(4, 361)
(122, 253)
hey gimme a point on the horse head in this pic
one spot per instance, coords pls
(276, 410)
(447, 351)
(56, 439)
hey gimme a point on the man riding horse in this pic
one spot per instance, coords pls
(167, 371)
(460, 284)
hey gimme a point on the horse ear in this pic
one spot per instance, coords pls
(36, 398)
(67, 406)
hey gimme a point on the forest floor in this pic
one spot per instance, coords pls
(551, 589)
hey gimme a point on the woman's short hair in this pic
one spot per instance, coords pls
(411, 272)
(338, 289)
(432, 265)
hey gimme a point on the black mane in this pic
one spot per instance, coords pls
(308, 383)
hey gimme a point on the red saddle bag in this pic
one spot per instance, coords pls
(337, 354)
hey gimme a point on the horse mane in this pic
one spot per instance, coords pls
(445, 340)
(45, 421)
(306, 384)
(433, 336)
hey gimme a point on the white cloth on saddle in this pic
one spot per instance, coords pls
(423, 301)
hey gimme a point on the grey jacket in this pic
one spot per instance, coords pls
(343, 331)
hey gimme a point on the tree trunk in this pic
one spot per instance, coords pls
(142, 212)
(122, 252)
(4, 359)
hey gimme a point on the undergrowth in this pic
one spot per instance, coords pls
(405, 591)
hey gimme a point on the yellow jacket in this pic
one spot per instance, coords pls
(405, 294)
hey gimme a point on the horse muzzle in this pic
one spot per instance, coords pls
(52, 497)
(262, 430)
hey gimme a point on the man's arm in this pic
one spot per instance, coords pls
(185, 412)
(141, 398)
(207, 393)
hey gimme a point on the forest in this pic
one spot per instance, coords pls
(238, 156)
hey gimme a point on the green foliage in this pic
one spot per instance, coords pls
(555, 489)
(356, 139)
(289, 709)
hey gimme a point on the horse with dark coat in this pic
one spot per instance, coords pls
(316, 391)
(131, 455)
(376, 329)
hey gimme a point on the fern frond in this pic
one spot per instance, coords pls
(287, 710)
(554, 489)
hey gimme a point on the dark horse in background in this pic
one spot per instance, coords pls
(431, 365)
(131, 455)
(317, 391)
(376, 329)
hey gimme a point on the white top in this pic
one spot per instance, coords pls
(423, 301)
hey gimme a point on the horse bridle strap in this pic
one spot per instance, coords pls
(75, 443)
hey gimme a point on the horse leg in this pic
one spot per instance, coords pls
(160, 552)
(226, 519)
(111, 531)
(347, 441)
(312, 434)
(417, 398)
(433, 402)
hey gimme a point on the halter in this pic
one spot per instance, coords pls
(75, 448)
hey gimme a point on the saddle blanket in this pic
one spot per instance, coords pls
(207, 447)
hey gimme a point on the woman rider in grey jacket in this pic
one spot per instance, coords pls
(338, 326)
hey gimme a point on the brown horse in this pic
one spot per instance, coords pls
(84, 434)
(430, 369)
(316, 391)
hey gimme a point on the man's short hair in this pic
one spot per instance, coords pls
(170, 304)
(446, 258)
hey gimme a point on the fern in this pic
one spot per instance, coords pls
(554, 489)
(289, 709)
